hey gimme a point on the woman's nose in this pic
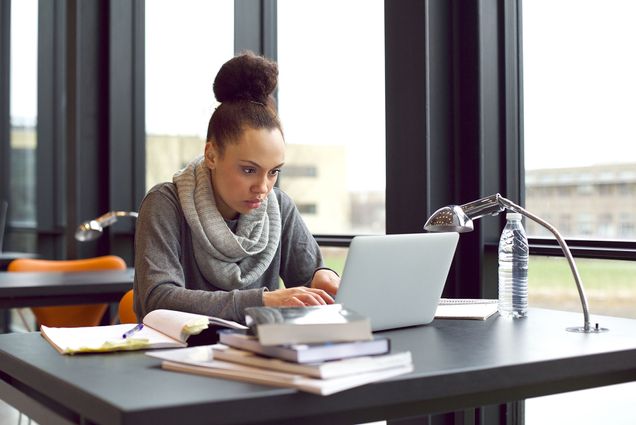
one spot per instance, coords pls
(261, 186)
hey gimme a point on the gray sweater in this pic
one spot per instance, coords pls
(167, 276)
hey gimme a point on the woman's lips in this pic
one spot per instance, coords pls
(253, 203)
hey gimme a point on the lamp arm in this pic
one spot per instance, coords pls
(490, 205)
(110, 217)
(508, 204)
(125, 213)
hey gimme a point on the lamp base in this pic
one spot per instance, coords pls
(587, 330)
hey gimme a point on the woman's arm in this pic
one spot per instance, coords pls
(301, 259)
(161, 250)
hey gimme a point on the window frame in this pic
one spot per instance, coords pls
(5, 101)
(423, 131)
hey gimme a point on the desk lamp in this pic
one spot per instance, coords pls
(92, 229)
(459, 218)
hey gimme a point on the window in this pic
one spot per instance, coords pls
(23, 107)
(578, 91)
(605, 227)
(578, 103)
(186, 44)
(331, 102)
(301, 171)
(307, 209)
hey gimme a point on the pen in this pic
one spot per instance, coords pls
(133, 331)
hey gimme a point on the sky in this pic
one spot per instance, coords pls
(579, 85)
(578, 69)
(23, 86)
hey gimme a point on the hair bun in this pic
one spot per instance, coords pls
(246, 77)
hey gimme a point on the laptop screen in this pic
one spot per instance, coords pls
(396, 280)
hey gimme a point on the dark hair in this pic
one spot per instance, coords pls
(244, 87)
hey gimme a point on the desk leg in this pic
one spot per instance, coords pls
(502, 414)
(5, 320)
(33, 407)
(454, 418)
(111, 314)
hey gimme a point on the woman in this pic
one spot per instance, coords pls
(220, 237)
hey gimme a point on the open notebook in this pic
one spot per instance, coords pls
(161, 329)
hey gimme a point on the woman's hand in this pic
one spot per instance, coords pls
(296, 297)
(327, 280)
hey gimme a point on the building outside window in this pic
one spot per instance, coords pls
(181, 64)
(331, 102)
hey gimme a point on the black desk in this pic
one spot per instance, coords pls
(458, 364)
(33, 289)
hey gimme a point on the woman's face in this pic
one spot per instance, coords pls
(246, 171)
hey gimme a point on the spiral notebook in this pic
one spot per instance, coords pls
(466, 308)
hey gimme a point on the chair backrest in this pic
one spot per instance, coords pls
(75, 315)
(106, 262)
(126, 311)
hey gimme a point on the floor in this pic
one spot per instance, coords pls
(606, 405)
(8, 415)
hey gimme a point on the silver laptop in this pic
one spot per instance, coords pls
(396, 280)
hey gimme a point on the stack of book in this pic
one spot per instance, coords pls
(321, 350)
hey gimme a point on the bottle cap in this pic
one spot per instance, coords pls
(513, 216)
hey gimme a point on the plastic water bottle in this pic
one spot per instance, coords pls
(513, 268)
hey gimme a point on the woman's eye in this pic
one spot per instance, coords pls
(248, 170)
(275, 172)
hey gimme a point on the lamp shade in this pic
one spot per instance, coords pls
(451, 218)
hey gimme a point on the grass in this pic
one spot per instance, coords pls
(607, 275)
(610, 285)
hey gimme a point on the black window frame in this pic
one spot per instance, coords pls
(454, 121)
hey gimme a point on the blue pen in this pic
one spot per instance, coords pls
(133, 331)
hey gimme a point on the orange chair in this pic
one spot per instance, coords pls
(126, 311)
(73, 315)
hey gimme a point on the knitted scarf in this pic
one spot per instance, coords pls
(226, 259)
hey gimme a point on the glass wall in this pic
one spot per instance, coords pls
(186, 44)
(23, 111)
(580, 163)
(331, 102)
(580, 145)
(579, 141)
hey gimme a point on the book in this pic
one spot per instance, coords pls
(200, 361)
(323, 370)
(466, 308)
(306, 353)
(306, 325)
(159, 329)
